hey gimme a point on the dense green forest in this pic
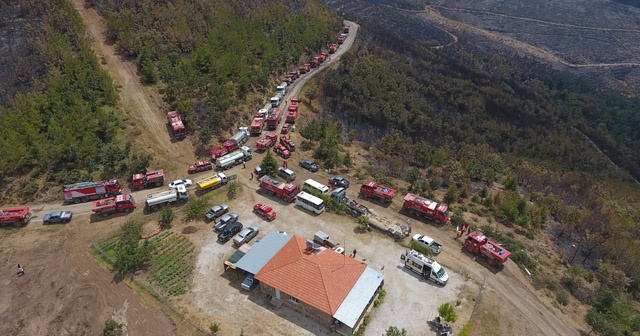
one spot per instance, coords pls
(461, 117)
(212, 54)
(63, 129)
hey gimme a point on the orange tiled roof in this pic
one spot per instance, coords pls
(321, 280)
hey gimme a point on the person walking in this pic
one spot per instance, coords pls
(20, 270)
(244, 164)
(354, 253)
(251, 176)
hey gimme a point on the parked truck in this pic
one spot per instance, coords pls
(232, 159)
(111, 205)
(264, 111)
(157, 200)
(266, 141)
(210, 183)
(421, 207)
(288, 143)
(373, 190)
(333, 48)
(274, 118)
(19, 216)
(86, 191)
(428, 268)
(282, 88)
(428, 242)
(257, 125)
(176, 124)
(237, 140)
(292, 115)
(274, 187)
(479, 244)
(355, 209)
(153, 178)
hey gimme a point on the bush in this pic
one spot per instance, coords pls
(196, 208)
(420, 248)
(562, 297)
(112, 328)
(521, 258)
(447, 312)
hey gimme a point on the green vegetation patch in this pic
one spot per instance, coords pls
(172, 263)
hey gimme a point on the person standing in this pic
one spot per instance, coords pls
(20, 270)
(244, 164)
(354, 253)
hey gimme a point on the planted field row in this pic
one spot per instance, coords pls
(172, 263)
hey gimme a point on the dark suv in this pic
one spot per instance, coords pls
(338, 181)
(225, 220)
(309, 165)
(229, 231)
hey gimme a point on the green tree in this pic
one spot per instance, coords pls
(196, 207)
(447, 312)
(413, 175)
(112, 328)
(347, 160)
(205, 135)
(612, 314)
(167, 217)
(130, 254)
(233, 189)
(269, 164)
(452, 194)
(394, 331)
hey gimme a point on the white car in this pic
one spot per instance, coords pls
(176, 183)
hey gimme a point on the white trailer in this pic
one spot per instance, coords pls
(282, 88)
(232, 159)
(275, 101)
(159, 199)
(265, 110)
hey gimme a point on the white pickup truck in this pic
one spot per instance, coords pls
(428, 242)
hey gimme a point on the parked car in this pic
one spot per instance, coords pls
(57, 217)
(287, 174)
(216, 211)
(225, 221)
(338, 181)
(176, 183)
(309, 165)
(249, 283)
(229, 231)
(246, 235)
(258, 172)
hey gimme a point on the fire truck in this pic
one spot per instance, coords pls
(333, 48)
(272, 186)
(232, 144)
(266, 141)
(274, 119)
(177, 125)
(15, 216)
(371, 189)
(86, 191)
(154, 178)
(108, 206)
(479, 244)
(257, 125)
(292, 114)
(421, 207)
(288, 143)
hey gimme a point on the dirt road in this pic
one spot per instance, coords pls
(142, 105)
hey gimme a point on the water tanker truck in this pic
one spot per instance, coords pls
(232, 159)
(157, 200)
(211, 182)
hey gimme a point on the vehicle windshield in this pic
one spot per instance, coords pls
(440, 273)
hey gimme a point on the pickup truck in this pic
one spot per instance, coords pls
(428, 242)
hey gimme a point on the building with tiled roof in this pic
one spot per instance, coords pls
(329, 286)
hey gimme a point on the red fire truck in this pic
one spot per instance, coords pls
(154, 178)
(108, 206)
(15, 216)
(422, 207)
(178, 129)
(479, 244)
(371, 189)
(86, 191)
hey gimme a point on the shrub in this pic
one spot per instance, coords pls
(521, 258)
(562, 297)
(112, 328)
(447, 312)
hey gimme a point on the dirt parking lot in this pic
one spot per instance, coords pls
(216, 296)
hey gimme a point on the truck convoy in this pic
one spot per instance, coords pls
(154, 178)
(178, 130)
(479, 244)
(211, 183)
(373, 190)
(157, 200)
(272, 186)
(15, 216)
(421, 207)
(108, 206)
(85, 191)
(428, 268)
(232, 159)
(355, 209)
(237, 140)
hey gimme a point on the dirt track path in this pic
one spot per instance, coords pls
(141, 104)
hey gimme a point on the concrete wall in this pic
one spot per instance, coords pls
(322, 317)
